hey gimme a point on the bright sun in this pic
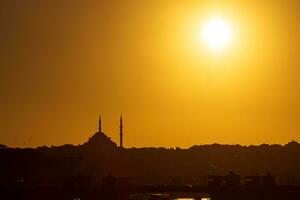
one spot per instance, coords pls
(216, 33)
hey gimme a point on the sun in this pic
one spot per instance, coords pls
(216, 33)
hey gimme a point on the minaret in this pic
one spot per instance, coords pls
(121, 132)
(99, 124)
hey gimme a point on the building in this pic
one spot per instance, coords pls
(230, 180)
(256, 181)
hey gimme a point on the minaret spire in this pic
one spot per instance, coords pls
(99, 124)
(121, 132)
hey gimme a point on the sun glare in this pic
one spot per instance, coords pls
(216, 33)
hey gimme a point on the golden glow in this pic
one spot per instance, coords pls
(217, 33)
(64, 63)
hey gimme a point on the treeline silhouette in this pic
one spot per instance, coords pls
(99, 157)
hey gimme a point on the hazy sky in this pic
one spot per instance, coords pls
(64, 62)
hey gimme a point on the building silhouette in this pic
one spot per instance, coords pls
(256, 181)
(231, 180)
(121, 129)
(121, 132)
(99, 124)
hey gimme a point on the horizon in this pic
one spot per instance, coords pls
(165, 147)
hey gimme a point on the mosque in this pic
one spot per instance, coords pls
(100, 137)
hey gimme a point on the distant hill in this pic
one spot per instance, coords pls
(100, 156)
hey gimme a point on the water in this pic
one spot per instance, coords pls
(185, 199)
(169, 196)
(192, 198)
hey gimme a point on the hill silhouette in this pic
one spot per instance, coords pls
(100, 156)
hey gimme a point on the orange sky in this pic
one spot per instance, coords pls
(65, 62)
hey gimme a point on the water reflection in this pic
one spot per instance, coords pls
(158, 196)
(185, 199)
(192, 198)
